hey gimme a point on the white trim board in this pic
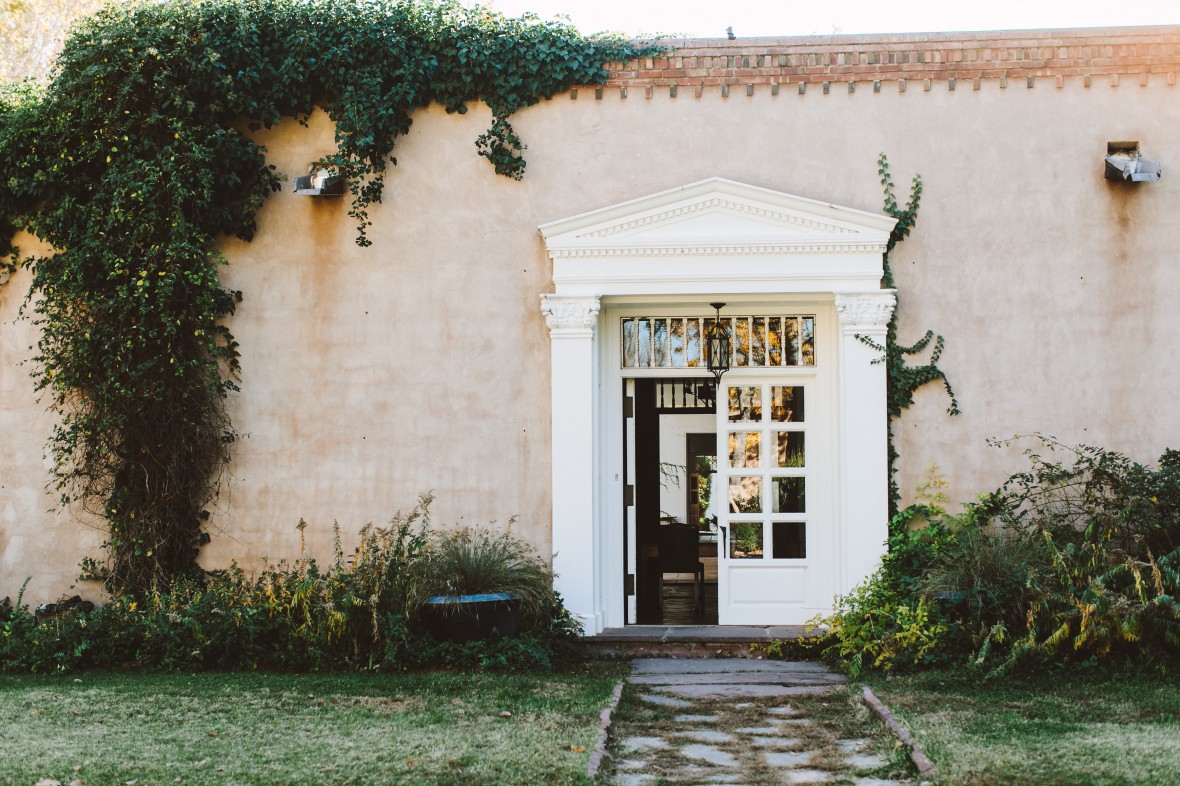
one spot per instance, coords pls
(711, 240)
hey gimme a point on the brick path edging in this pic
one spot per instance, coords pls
(604, 722)
(924, 765)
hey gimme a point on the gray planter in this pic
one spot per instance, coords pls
(464, 618)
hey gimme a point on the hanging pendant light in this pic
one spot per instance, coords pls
(717, 340)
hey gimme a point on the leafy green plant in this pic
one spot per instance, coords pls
(903, 380)
(133, 163)
(353, 613)
(1073, 561)
(474, 561)
(1110, 529)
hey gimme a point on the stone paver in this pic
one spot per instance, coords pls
(707, 735)
(708, 753)
(783, 711)
(753, 691)
(788, 759)
(666, 701)
(634, 779)
(851, 746)
(775, 742)
(695, 718)
(866, 761)
(730, 722)
(644, 743)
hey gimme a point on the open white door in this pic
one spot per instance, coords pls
(771, 499)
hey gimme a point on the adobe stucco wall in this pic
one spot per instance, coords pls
(370, 375)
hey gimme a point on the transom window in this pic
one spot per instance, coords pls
(754, 341)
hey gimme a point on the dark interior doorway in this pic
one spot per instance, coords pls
(674, 454)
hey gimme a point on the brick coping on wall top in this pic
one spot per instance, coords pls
(1141, 53)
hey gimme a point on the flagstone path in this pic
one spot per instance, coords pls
(733, 721)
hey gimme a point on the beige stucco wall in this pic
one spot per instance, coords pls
(370, 375)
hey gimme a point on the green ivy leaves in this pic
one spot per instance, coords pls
(903, 380)
(132, 165)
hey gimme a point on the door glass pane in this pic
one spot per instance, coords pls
(745, 494)
(786, 404)
(788, 449)
(789, 495)
(745, 404)
(789, 539)
(745, 540)
(744, 449)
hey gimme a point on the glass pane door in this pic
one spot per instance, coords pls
(763, 474)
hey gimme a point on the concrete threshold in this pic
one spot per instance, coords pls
(689, 641)
(701, 634)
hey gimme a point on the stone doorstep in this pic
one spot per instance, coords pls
(742, 678)
(699, 633)
(732, 651)
(644, 666)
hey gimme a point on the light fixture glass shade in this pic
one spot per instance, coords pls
(718, 342)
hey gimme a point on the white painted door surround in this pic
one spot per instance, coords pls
(755, 249)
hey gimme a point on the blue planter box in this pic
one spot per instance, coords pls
(464, 618)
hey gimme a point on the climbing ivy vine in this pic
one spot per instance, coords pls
(137, 158)
(903, 380)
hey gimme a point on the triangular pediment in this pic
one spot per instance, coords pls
(716, 215)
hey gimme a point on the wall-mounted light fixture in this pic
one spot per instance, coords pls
(1124, 162)
(321, 182)
(717, 339)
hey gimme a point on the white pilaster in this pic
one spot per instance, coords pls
(573, 324)
(864, 447)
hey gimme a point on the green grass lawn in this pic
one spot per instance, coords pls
(1072, 729)
(269, 729)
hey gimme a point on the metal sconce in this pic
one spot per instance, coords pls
(1125, 162)
(718, 343)
(321, 182)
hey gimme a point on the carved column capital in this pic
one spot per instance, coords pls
(570, 313)
(866, 309)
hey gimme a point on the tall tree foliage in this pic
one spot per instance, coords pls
(132, 165)
(32, 33)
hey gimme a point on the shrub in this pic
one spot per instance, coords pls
(886, 623)
(473, 561)
(353, 614)
(1074, 561)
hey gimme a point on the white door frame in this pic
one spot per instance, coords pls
(706, 241)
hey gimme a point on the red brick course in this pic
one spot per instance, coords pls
(1140, 51)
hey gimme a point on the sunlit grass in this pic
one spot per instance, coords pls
(283, 729)
(1080, 730)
